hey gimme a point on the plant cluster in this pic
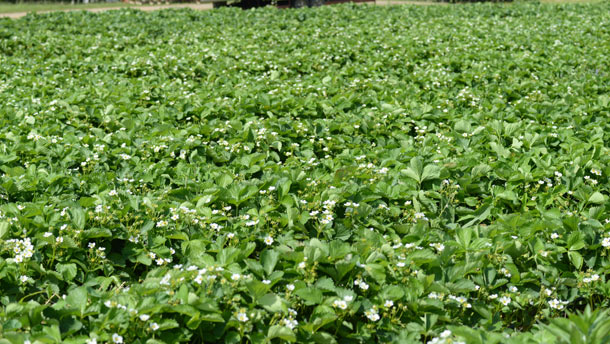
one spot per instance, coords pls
(345, 174)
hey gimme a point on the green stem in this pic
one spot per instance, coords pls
(32, 294)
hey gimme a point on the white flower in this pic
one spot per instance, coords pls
(513, 289)
(340, 304)
(493, 296)
(557, 304)
(144, 317)
(251, 223)
(302, 265)
(438, 246)
(372, 314)
(59, 240)
(242, 317)
(364, 286)
(290, 287)
(420, 216)
(606, 242)
(290, 323)
(235, 277)
(554, 236)
(24, 278)
(47, 234)
(348, 298)
(388, 303)
(266, 281)
(154, 326)
(230, 235)
(116, 338)
(400, 264)
(91, 341)
(165, 280)
(460, 299)
(112, 193)
(445, 334)
(199, 279)
(268, 240)
(505, 300)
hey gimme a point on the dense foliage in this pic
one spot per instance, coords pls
(347, 173)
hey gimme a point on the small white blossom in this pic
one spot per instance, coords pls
(557, 304)
(372, 314)
(438, 246)
(340, 304)
(268, 240)
(116, 338)
(242, 317)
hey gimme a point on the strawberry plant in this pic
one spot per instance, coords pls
(344, 174)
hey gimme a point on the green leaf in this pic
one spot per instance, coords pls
(4, 229)
(575, 241)
(576, 259)
(311, 296)
(97, 233)
(272, 303)
(597, 198)
(68, 271)
(78, 218)
(282, 332)
(77, 298)
(224, 180)
(269, 259)
(392, 292)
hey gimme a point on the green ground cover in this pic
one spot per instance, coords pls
(35, 7)
(346, 174)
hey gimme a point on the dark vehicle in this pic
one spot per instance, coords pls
(245, 4)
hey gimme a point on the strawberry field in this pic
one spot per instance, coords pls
(344, 174)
